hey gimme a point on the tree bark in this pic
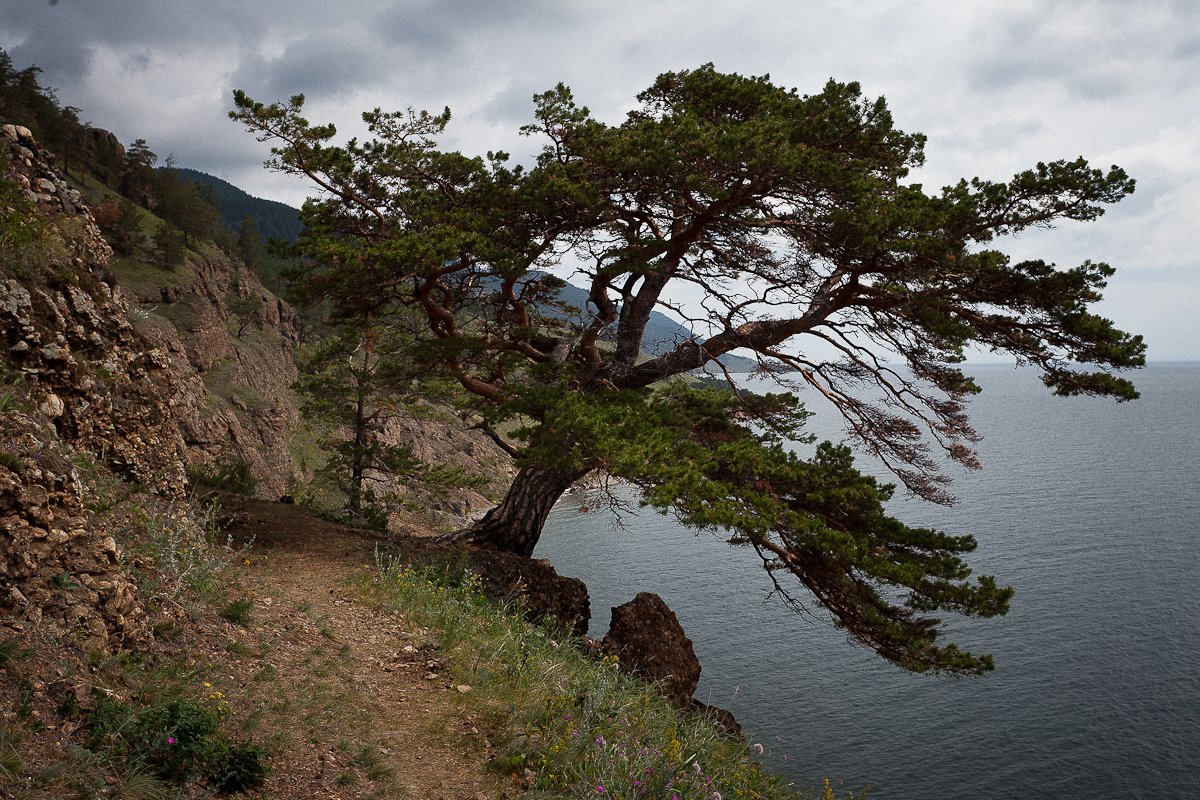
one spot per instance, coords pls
(515, 525)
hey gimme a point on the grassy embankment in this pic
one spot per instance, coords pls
(583, 728)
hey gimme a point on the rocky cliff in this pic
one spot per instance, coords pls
(233, 401)
(79, 384)
(121, 368)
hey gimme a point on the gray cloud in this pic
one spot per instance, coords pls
(316, 66)
(441, 27)
(996, 85)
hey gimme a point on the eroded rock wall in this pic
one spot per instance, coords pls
(233, 398)
(67, 337)
(79, 386)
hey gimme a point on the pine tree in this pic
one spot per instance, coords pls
(791, 216)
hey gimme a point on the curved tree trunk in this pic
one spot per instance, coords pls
(515, 525)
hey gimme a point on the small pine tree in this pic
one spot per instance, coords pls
(345, 392)
(169, 246)
(249, 243)
(246, 312)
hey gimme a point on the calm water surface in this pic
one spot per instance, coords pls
(1091, 509)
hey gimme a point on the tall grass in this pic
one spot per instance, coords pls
(577, 726)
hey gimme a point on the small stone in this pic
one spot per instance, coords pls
(54, 352)
(52, 406)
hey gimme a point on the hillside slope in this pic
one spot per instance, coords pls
(275, 220)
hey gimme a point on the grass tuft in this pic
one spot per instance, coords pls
(238, 611)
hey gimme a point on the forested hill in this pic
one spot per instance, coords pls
(275, 220)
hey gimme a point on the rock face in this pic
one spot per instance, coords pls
(233, 399)
(79, 386)
(535, 586)
(646, 636)
(66, 330)
(435, 437)
(151, 372)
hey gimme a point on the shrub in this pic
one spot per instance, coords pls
(177, 740)
(240, 767)
(185, 544)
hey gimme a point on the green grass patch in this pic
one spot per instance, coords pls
(238, 611)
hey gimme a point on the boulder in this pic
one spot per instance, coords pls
(646, 637)
(719, 718)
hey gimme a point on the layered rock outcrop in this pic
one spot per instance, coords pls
(60, 572)
(79, 385)
(64, 325)
(233, 401)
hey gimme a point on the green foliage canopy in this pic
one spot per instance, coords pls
(791, 217)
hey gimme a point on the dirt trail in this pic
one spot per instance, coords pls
(353, 702)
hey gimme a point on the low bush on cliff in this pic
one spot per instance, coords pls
(578, 726)
(177, 740)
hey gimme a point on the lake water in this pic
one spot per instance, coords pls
(1089, 508)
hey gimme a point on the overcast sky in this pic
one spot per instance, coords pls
(996, 85)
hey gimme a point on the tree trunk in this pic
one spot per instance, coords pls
(515, 525)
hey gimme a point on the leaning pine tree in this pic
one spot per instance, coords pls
(790, 219)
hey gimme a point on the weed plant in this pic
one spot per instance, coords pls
(185, 542)
(177, 741)
(578, 724)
